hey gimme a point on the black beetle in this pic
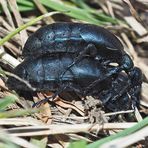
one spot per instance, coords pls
(77, 57)
(86, 77)
(80, 40)
(43, 73)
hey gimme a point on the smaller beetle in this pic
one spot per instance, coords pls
(80, 40)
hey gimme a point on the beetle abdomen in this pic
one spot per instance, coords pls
(69, 37)
(44, 73)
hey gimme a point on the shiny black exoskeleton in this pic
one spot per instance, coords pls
(81, 40)
(124, 91)
(86, 77)
(43, 73)
(65, 57)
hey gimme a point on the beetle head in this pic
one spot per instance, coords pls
(127, 63)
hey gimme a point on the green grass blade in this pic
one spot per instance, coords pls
(24, 8)
(78, 144)
(6, 101)
(123, 133)
(84, 13)
(72, 11)
(81, 4)
(100, 16)
(78, 13)
(18, 113)
(25, 3)
(33, 21)
(40, 142)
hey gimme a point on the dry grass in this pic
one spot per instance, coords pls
(57, 124)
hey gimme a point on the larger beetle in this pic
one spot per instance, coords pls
(78, 39)
(86, 77)
(43, 73)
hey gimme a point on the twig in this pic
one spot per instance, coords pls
(5, 24)
(19, 141)
(13, 33)
(4, 32)
(19, 20)
(7, 12)
(43, 10)
(60, 129)
(8, 58)
(20, 79)
(120, 112)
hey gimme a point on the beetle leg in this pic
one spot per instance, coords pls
(90, 51)
(111, 72)
(41, 102)
(116, 99)
(135, 96)
(123, 88)
(61, 89)
(119, 86)
(123, 103)
(56, 94)
(136, 79)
